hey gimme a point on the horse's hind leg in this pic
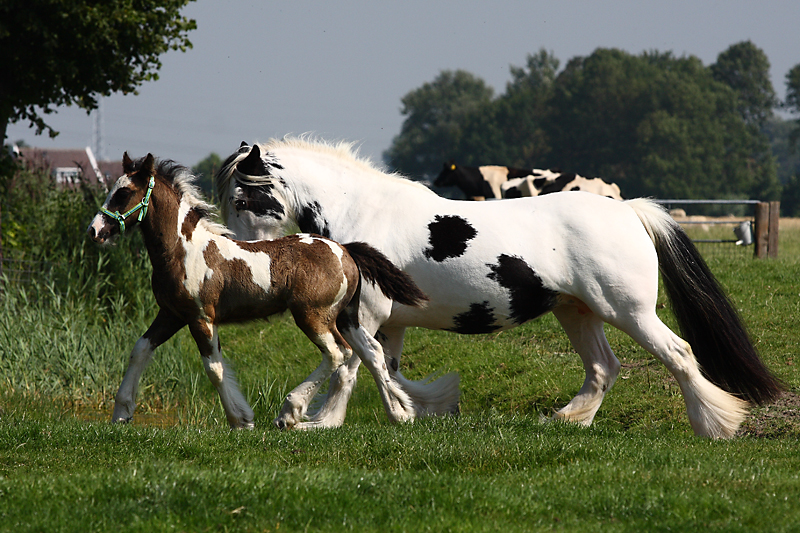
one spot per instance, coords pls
(160, 331)
(437, 397)
(237, 410)
(585, 332)
(712, 412)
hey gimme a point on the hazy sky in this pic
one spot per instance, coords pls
(262, 69)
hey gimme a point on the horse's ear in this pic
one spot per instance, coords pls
(127, 164)
(244, 143)
(148, 165)
(252, 165)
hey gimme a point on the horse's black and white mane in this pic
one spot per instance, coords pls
(344, 151)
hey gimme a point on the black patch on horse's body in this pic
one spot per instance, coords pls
(479, 319)
(311, 220)
(449, 236)
(529, 297)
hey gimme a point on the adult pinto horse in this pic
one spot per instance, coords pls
(488, 266)
(202, 278)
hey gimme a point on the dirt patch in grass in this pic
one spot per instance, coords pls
(779, 419)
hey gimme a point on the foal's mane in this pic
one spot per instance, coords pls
(184, 182)
(343, 150)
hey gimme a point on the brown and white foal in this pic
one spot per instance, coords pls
(202, 278)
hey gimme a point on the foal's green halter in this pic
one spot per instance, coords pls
(141, 205)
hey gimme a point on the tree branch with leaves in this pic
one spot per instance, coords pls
(62, 52)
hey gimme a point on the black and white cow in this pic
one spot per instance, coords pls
(547, 182)
(478, 183)
(491, 181)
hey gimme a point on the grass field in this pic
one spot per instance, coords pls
(496, 467)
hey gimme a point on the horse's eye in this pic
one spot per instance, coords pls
(239, 205)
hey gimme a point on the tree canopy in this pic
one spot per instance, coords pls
(435, 114)
(793, 101)
(654, 123)
(62, 52)
(205, 170)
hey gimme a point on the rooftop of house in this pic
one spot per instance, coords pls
(68, 165)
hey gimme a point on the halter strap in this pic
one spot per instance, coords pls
(141, 205)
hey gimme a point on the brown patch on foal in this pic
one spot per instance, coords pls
(190, 222)
(235, 302)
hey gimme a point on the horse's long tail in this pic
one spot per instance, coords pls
(707, 319)
(393, 282)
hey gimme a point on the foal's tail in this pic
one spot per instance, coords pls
(393, 282)
(707, 319)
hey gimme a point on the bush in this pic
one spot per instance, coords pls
(44, 225)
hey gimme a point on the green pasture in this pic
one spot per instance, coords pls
(496, 467)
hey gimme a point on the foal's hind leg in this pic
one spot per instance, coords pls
(330, 410)
(585, 332)
(160, 331)
(334, 352)
(373, 310)
(237, 410)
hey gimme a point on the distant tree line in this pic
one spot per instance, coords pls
(656, 124)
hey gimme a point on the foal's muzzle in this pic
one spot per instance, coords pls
(100, 231)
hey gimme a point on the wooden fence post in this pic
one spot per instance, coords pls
(761, 248)
(774, 221)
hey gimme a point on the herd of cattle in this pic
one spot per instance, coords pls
(494, 182)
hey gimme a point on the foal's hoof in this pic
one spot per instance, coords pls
(127, 420)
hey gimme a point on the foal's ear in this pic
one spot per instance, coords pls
(127, 164)
(148, 165)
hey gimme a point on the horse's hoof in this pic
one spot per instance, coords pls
(127, 420)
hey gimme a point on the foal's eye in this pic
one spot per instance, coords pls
(122, 196)
(239, 205)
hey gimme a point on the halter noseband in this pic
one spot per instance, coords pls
(141, 205)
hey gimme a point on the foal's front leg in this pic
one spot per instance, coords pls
(160, 331)
(237, 410)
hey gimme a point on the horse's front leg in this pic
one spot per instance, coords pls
(237, 410)
(160, 331)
